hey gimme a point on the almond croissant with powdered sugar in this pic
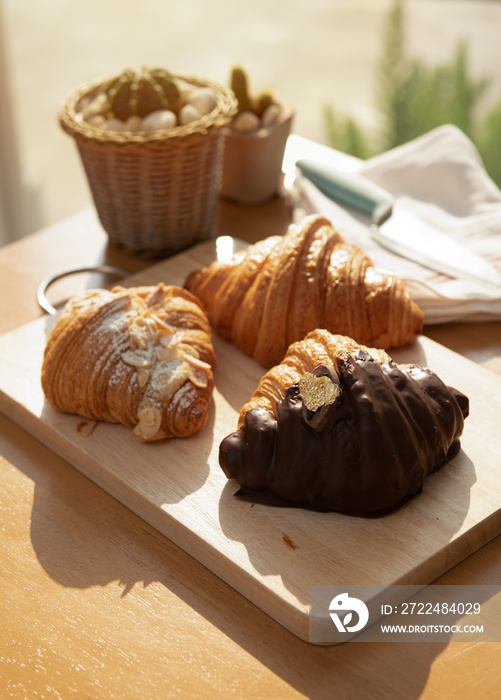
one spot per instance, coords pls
(141, 356)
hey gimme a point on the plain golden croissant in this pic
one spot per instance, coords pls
(141, 356)
(341, 427)
(280, 289)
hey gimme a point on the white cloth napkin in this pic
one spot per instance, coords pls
(440, 178)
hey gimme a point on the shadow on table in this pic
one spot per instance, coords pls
(119, 546)
(397, 545)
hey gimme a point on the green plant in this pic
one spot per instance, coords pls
(413, 98)
(488, 142)
(344, 134)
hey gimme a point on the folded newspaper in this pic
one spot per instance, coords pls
(440, 178)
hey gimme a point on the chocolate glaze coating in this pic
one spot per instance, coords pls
(392, 426)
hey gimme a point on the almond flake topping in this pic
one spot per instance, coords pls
(164, 363)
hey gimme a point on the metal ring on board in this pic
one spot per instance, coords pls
(46, 283)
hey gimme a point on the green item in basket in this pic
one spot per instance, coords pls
(138, 93)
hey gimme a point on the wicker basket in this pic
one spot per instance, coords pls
(154, 193)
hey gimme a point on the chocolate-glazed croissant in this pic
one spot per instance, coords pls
(141, 356)
(341, 427)
(275, 292)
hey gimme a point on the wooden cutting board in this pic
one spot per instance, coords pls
(272, 555)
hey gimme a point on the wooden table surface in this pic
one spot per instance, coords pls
(94, 603)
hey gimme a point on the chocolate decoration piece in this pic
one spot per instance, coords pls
(391, 427)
